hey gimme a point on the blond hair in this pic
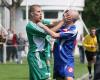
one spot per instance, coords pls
(32, 9)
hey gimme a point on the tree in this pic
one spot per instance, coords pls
(91, 14)
(12, 5)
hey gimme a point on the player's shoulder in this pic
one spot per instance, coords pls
(31, 25)
(72, 27)
(87, 36)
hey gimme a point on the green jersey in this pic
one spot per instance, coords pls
(48, 47)
(37, 49)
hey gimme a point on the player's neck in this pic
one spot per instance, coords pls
(70, 23)
(34, 21)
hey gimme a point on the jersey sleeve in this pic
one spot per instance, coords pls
(69, 33)
(35, 30)
(46, 21)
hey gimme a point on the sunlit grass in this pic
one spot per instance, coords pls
(13, 71)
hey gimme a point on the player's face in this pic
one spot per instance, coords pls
(37, 14)
(93, 32)
(67, 16)
(71, 15)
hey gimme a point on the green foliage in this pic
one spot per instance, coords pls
(91, 14)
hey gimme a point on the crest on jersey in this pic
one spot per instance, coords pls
(70, 69)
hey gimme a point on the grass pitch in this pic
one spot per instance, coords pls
(13, 71)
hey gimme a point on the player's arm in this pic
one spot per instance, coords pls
(49, 22)
(56, 24)
(69, 33)
(52, 33)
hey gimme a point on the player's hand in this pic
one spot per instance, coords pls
(93, 46)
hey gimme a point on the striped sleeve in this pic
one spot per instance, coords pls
(69, 33)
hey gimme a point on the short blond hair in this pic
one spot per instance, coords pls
(74, 14)
(32, 9)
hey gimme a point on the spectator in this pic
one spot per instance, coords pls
(9, 45)
(14, 46)
(3, 34)
(90, 44)
(21, 47)
(2, 40)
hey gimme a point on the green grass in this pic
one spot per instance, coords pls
(80, 69)
(13, 71)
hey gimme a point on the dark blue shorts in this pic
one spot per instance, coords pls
(64, 71)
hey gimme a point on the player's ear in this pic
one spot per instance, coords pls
(32, 14)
